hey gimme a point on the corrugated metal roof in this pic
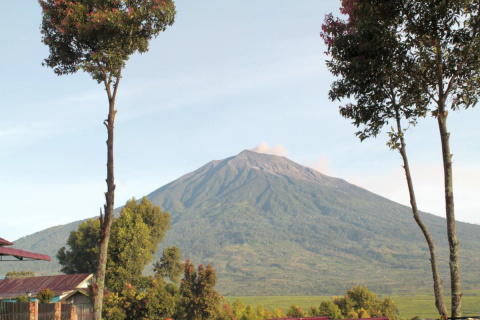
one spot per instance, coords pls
(61, 284)
(4, 242)
(20, 254)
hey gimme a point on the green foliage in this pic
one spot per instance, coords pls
(238, 311)
(135, 236)
(98, 36)
(226, 312)
(330, 309)
(261, 313)
(23, 298)
(199, 300)
(157, 220)
(45, 296)
(83, 254)
(155, 301)
(249, 314)
(409, 304)
(402, 59)
(19, 274)
(359, 302)
(129, 251)
(295, 312)
(278, 313)
(169, 264)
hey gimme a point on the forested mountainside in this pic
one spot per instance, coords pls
(270, 226)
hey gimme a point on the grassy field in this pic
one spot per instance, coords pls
(409, 305)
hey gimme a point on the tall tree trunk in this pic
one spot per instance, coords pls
(107, 218)
(454, 245)
(453, 242)
(437, 280)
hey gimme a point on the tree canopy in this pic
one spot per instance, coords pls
(156, 300)
(199, 299)
(82, 255)
(359, 302)
(135, 237)
(330, 309)
(374, 72)
(169, 264)
(99, 36)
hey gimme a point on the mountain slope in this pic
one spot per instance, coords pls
(271, 226)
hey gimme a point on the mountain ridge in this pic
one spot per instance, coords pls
(269, 225)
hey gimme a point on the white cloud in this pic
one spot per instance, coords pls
(322, 165)
(278, 150)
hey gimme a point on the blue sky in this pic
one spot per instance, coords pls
(227, 76)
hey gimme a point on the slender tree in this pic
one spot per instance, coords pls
(98, 37)
(373, 70)
(199, 300)
(398, 59)
(169, 264)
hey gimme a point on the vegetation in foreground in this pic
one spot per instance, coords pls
(408, 305)
(359, 302)
(136, 235)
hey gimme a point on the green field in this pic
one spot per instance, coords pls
(409, 305)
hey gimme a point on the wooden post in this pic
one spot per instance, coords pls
(73, 313)
(58, 311)
(33, 308)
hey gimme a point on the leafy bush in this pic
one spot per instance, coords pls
(330, 309)
(23, 298)
(359, 302)
(45, 296)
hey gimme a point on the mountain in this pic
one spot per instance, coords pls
(270, 226)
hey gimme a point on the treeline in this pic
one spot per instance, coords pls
(135, 236)
(359, 302)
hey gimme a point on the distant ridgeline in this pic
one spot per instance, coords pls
(271, 226)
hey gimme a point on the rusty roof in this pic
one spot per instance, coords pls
(61, 284)
(4, 242)
(21, 254)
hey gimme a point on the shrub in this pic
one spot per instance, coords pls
(45, 296)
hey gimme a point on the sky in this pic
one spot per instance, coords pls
(227, 76)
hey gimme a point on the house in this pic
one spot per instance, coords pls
(70, 289)
(18, 254)
(63, 286)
